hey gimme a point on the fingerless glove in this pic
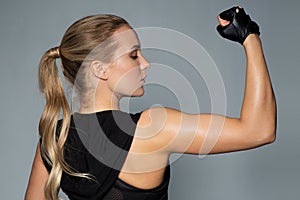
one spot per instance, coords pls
(240, 25)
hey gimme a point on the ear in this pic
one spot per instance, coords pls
(99, 70)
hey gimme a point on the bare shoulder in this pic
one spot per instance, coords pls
(158, 116)
(150, 137)
(155, 129)
(146, 162)
(154, 120)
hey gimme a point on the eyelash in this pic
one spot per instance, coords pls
(134, 57)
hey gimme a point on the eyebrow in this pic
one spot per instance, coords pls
(136, 47)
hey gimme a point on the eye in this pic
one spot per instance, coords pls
(134, 55)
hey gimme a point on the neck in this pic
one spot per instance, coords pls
(102, 101)
(107, 103)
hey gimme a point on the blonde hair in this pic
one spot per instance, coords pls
(78, 41)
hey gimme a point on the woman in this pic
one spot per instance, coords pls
(100, 55)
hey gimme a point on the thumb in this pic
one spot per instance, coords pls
(223, 22)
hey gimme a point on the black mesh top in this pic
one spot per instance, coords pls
(98, 144)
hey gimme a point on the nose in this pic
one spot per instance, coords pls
(144, 63)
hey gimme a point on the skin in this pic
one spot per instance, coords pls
(162, 131)
(124, 76)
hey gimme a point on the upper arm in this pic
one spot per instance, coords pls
(169, 130)
(37, 179)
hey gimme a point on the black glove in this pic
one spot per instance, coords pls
(240, 25)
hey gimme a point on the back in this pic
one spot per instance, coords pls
(98, 144)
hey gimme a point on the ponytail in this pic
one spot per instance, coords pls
(52, 144)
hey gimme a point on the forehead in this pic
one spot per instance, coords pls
(125, 33)
(123, 41)
(126, 39)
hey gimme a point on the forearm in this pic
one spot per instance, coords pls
(259, 106)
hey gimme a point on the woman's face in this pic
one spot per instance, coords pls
(126, 74)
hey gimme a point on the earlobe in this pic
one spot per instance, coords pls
(99, 70)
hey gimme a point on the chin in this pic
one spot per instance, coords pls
(139, 92)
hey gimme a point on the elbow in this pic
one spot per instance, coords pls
(261, 133)
(264, 129)
(270, 131)
(265, 136)
(270, 138)
(271, 125)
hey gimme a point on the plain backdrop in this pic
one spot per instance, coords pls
(29, 28)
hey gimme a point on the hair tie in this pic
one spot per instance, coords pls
(57, 52)
(54, 52)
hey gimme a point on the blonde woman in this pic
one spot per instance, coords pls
(100, 152)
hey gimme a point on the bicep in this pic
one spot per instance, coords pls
(215, 134)
(38, 178)
(201, 133)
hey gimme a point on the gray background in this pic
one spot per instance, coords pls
(28, 28)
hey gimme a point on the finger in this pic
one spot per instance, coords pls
(228, 14)
(238, 8)
(223, 22)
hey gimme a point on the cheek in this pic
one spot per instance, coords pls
(127, 81)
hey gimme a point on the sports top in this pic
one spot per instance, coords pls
(97, 144)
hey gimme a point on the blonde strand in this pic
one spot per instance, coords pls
(52, 146)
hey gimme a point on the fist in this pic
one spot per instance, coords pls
(236, 25)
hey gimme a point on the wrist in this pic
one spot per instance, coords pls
(251, 38)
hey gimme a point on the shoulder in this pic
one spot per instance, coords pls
(159, 117)
(152, 118)
(157, 126)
